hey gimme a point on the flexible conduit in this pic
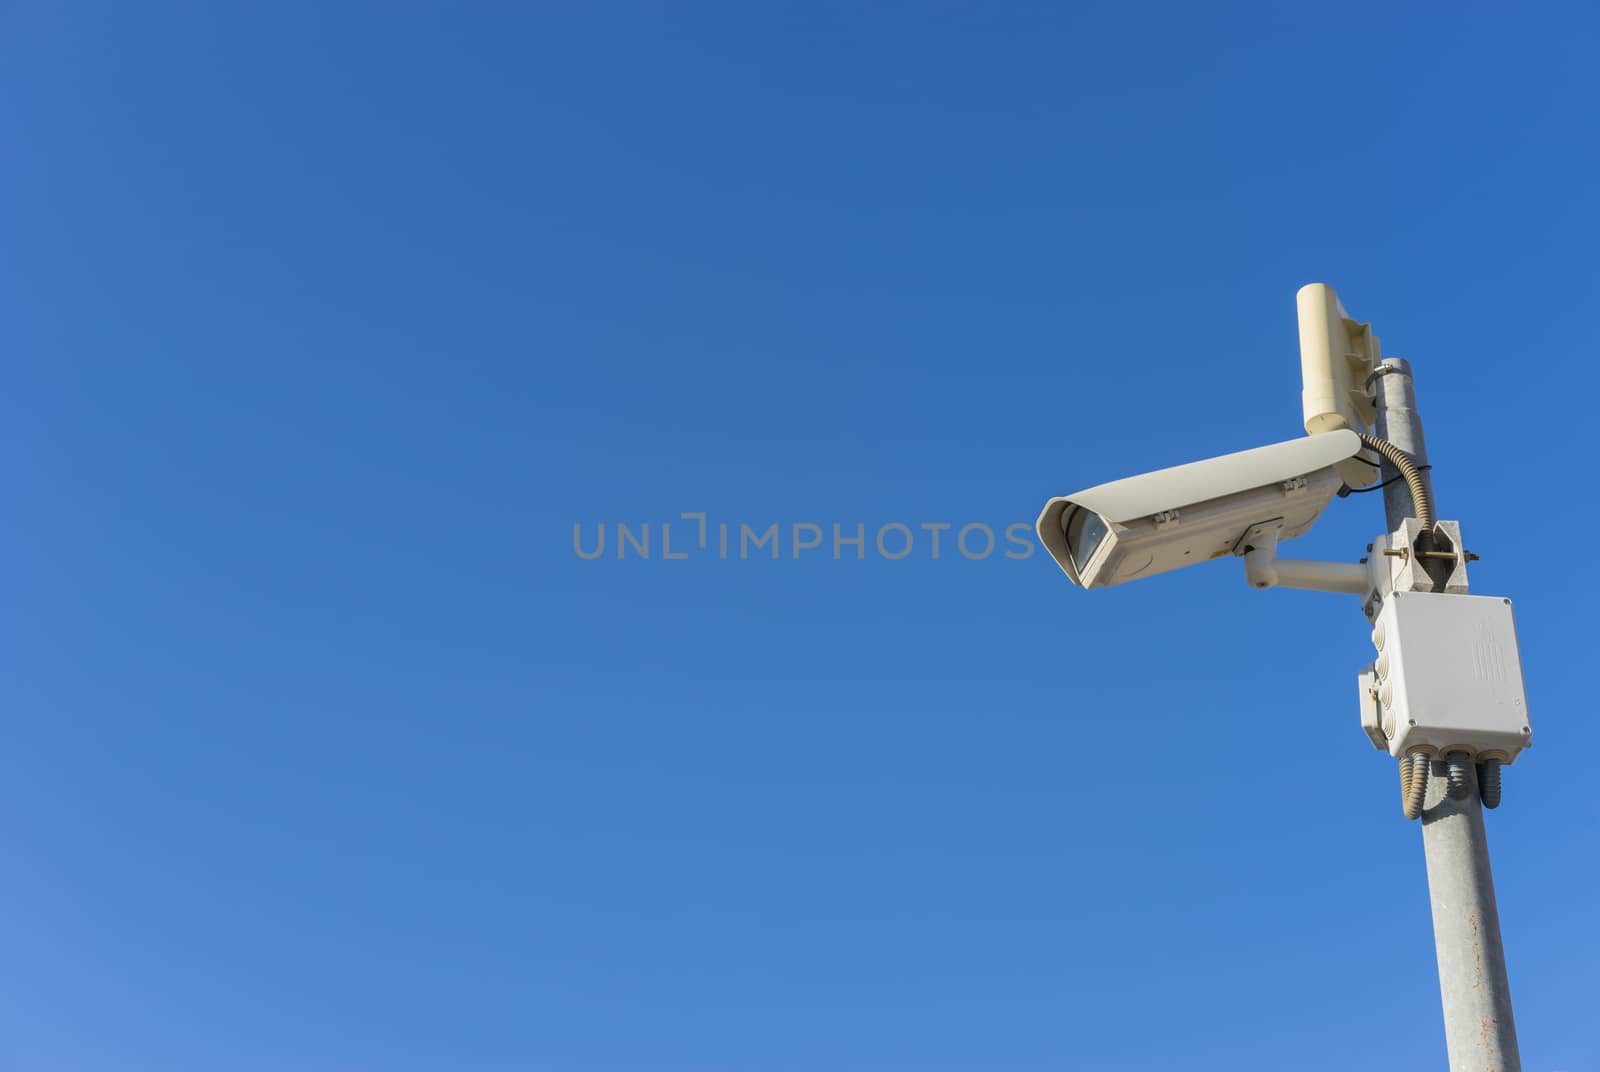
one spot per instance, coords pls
(1421, 501)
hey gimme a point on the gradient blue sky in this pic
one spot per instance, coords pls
(324, 324)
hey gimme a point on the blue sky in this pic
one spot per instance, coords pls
(326, 323)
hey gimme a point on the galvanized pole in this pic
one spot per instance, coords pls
(1480, 1034)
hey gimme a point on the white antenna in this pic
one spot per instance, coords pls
(1337, 356)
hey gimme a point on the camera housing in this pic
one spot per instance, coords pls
(1156, 522)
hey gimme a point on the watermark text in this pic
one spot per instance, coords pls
(694, 535)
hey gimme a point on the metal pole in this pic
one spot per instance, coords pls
(1479, 1032)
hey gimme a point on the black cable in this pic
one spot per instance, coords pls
(1345, 490)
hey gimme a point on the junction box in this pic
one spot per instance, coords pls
(1448, 677)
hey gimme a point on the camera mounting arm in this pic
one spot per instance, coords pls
(1264, 569)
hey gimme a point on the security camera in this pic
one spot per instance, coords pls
(1135, 528)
